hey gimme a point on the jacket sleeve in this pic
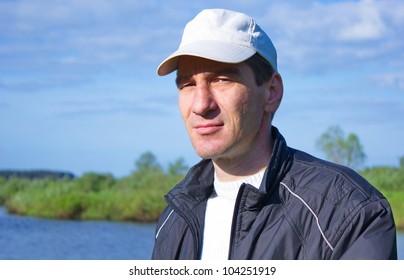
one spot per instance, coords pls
(371, 234)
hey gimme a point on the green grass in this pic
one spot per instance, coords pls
(390, 181)
(396, 199)
(138, 197)
(93, 196)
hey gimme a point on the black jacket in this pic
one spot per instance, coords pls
(305, 208)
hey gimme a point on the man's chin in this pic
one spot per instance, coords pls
(207, 154)
(208, 149)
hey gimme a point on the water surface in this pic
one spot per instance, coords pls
(27, 238)
(32, 238)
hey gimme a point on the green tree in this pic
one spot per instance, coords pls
(178, 167)
(346, 151)
(402, 162)
(147, 162)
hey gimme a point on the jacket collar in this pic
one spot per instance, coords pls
(279, 163)
(197, 186)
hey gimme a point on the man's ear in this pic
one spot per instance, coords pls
(275, 93)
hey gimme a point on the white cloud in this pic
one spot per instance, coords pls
(363, 22)
(334, 35)
(395, 79)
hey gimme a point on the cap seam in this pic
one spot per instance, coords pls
(251, 31)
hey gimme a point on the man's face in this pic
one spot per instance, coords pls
(224, 111)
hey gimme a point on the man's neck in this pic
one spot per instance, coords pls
(235, 169)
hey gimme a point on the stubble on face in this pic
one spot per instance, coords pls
(223, 109)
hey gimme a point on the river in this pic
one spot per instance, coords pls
(27, 238)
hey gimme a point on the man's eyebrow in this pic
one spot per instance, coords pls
(227, 71)
(181, 79)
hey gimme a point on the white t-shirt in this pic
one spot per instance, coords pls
(219, 217)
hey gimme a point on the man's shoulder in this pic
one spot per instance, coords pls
(314, 177)
(337, 198)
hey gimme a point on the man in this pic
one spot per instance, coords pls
(252, 196)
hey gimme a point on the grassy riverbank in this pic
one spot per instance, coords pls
(390, 181)
(139, 196)
(93, 196)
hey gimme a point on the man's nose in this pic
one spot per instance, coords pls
(204, 100)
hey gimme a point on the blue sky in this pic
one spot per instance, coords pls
(79, 91)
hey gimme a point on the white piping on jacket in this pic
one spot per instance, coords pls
(312, 212)
(165, 221)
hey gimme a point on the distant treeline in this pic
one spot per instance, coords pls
(35, 174)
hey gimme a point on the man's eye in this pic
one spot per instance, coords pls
(186, 85)
(222, 80)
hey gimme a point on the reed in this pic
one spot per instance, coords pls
(139, 196)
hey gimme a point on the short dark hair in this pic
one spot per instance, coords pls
(263, 70)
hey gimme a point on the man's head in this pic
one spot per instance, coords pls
(228, 85)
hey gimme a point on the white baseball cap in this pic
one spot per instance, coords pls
(224, 36)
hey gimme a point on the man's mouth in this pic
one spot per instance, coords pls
(206, 129)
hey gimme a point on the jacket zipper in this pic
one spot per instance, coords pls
(234, 220)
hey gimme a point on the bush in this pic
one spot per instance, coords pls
(46, 198)
(10, 187)
(390, 181)
(385, 178)
(138, 197)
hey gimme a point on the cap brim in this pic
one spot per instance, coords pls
(225, 52)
